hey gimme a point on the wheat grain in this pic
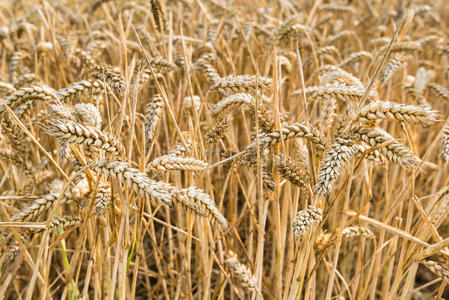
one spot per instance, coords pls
(439, 206)
(162, 65)
(60, 112)
(192, 103)
(344, 34)
(332, 75)
(13, 252)
(85, 58)
(26, 80)
(335, 8)
(7, 88)
(267, 179)
(281, 31)
(230, 103)
(181, 149)
(203, 64)
(444, 151)
(323, 241)
(16, 64)
(159, 18)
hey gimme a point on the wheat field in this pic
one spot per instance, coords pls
(215, 149)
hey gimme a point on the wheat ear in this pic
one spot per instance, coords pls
(290, 170)
(155, 191)
(196, 200)
(153, 111)
(335, 159)
(243, 274)
(289, 131)
(173, 162)
(63, 223)
(357, 231)
(103, 198)
(395, 111)
(39, 206)
(71, 132)
(437, 268)
(394, 151)
(305, 219)
(111, 75)
(241, 84)
(77, 89)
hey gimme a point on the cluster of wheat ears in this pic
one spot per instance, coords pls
(214, 149)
